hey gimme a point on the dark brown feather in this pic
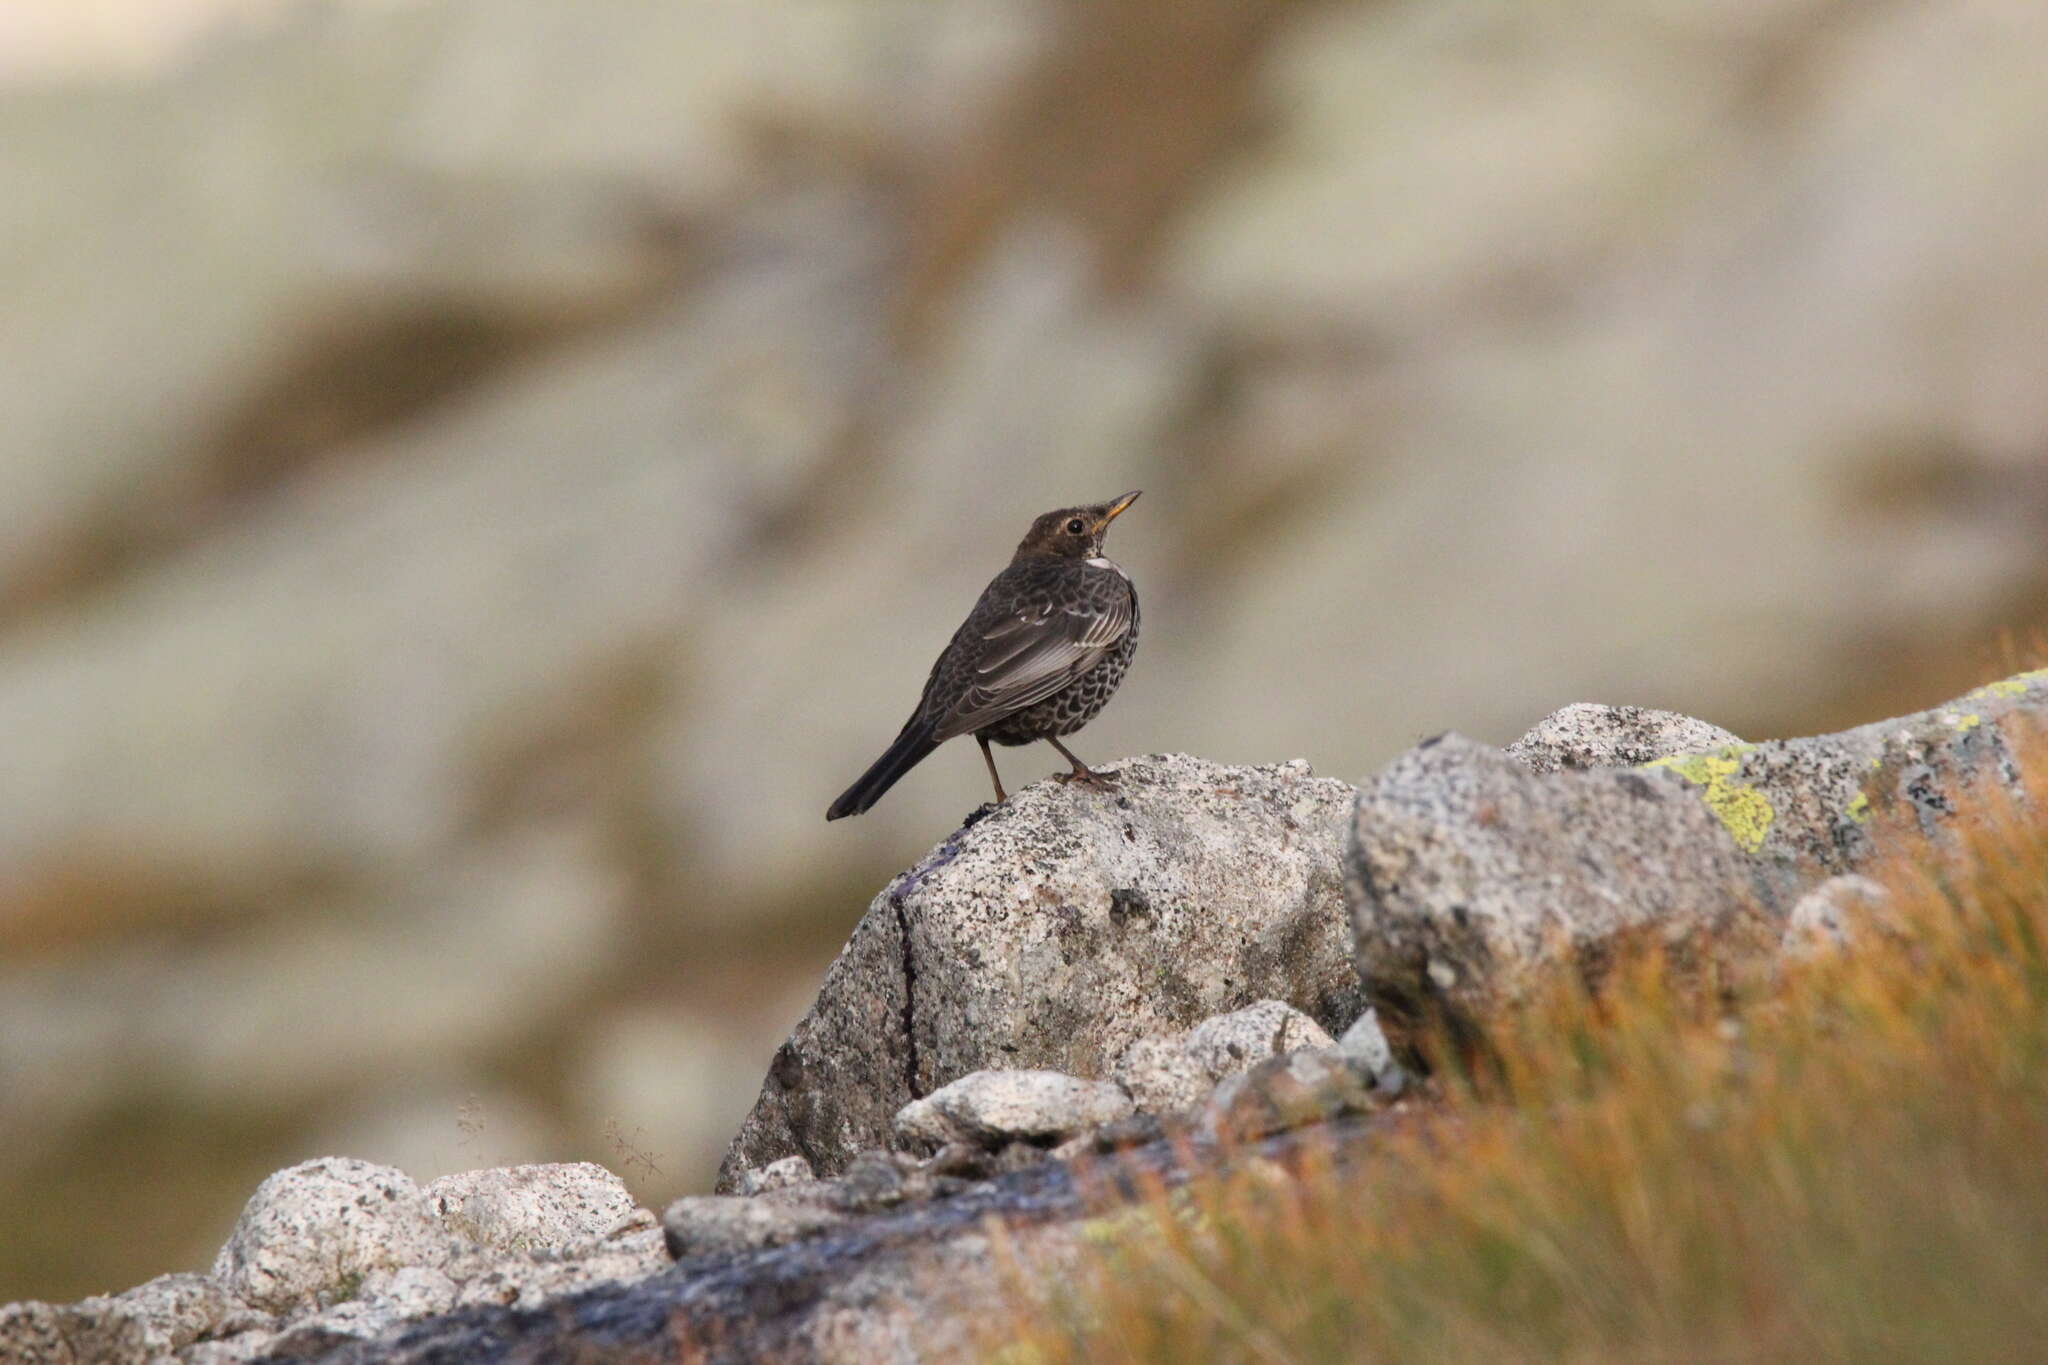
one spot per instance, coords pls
(1041, 653)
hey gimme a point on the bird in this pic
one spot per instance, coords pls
(1040, 654)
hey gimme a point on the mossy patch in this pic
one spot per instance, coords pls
(1744, 811)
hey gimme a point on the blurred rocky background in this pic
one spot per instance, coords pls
(481, 475)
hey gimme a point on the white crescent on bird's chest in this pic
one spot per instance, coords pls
(1105, 562)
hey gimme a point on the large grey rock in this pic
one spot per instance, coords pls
(1468, 874)
(991, 1108)
(316, 1229)
(1066, 925)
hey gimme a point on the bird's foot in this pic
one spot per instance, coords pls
(979, 814)
(1088, 777)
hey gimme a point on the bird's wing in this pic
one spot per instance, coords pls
(1025, 656)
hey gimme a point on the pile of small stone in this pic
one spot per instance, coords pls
(1235, 1077)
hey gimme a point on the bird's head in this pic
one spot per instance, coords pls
(1073, 532)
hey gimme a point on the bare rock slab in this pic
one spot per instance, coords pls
(1471, 870)
(1068, 924)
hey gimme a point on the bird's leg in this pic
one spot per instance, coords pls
(1082, 772)
(993, 775)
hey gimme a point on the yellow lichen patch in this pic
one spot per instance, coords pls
(2015, 686)
(1963, 723)
(1858, 809)
(1745, 812)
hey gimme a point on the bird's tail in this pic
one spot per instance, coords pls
(906, 753)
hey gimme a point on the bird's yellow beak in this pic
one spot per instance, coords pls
(1116, 508)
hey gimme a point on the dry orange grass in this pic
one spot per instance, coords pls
(1849, 1162)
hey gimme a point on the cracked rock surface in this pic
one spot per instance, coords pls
(1057, 931)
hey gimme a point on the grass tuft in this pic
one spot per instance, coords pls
(1847, 1160)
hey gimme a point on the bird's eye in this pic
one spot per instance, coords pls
(1075, 527)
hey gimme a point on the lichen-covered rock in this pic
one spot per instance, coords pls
(317, 1228)
(532, 1208)
(1057, 931)
(993, 1108)
(1588, 735)
(1468, 873)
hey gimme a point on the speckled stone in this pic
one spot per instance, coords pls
(786, 1174)
(315, 1229)
(1058, 930)
(1588, 735)
(994, 1108)
(533, 1208)
(1175, 1074)
(1237, 1041)
(1161, 1077)
(35, 1333)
